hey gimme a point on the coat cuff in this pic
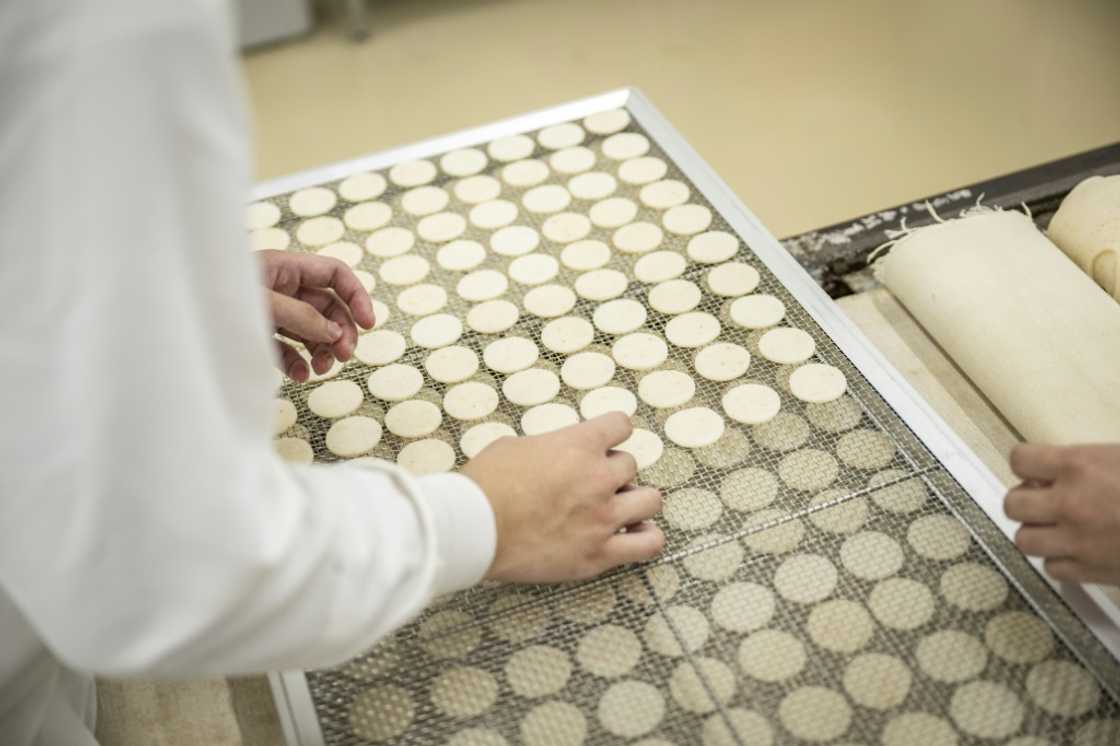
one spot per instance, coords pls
(466, 533)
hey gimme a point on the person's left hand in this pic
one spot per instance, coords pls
(315, 300)
(1069, 505)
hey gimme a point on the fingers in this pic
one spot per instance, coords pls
(292, 364)
(1071, 571)
(1044, 541)
(329, 273)
(608, 430)
(639, 543)
(301, 319)
(1031, 505)
(623, 468)
(328, 304)
(1038, 463)
(637, 504)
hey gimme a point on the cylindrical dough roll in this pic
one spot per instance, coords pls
(1087, 228)
(1031, 330)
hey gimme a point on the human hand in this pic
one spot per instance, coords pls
(560, 500)
(315, 300)
(1069, 505)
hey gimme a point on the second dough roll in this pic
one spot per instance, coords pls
(1087, 228)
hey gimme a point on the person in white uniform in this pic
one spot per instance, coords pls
(146, 526)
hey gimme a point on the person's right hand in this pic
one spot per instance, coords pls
(561, 501)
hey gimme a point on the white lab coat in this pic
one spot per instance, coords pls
(145, 524)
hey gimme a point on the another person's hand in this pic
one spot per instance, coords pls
(1069, 505)
(314, 300)
(561, 501)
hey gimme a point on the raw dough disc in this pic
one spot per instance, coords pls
(534, 269)
(951, 656)
(613, 212)
(560, 136)
(546, 198)
(480, 436)
(640, 351)
(461, 255)
(732, 279)
(771, 655)
(835, 416)
(809, 470)
(424, 200)
(920, 727)
(713, 247)
(269, 238)
(421, 300)
(441, 227)
(464, 692)
(865, 449)
(511, 148)
(644, 446)
(1096, 732)
(334, 370)
(601, 284)
(871, 555)
(525, 173)
(572, 160)
(482, 284)
(749, 727)
(518, 618)
(412, 173)
(742, 607)
(312, 201)
(1019, 637)
(673, 468)
(367, 216)
(844, 517)
(901, 603)
(662, 195)
(566, 227)
(609, 651)
(592, 185)
(662, 631)
(477, 737)
(514, 240)
(631, 708)
(674, 296)
(587, 370)
(470, 401)
(783, 535)
(284, 416)
(986, 709)
(335, 399)
(429, 456)
(692, 329)
(749, 489)
(757, 311)
(586, 255)
(567, 334)
(1063, 688)
(527, 388)
(465, 162)
(620, 316)
(607, 399)
(694, 427)
(637, 238)
(722, 361)
(973, 587)
(663, 580)
(545, 418)
(786, 346)
(493, 316)
(751, 403)
(840, 625)
(607, 122)
(938, 537)
(538, 670)
(294, 450)
(642, 170)
(555, 724)
(660, 266)
(665, 389)
(717, 562)
(348, 253)
(353, 436)
(368, 281)
(510, 354)
(320, 231)
(686, 220)
(694, 691)
(414, 418)
(805, 578)
(813, 713)
(451, 364)
(389, 242)
(363, 186)
(731, 449)
(878, 681)
(404, 270)
(381, 713)
(395, 382)
(591, 605)
(692, 509)
(817, 383)
(625, 145)
(475, 189)
(494, 214)
(900, 495)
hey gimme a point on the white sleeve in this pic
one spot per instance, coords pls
(145, 523)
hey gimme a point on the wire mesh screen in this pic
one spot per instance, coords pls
(824, 580)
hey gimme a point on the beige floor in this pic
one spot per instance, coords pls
(813, 111)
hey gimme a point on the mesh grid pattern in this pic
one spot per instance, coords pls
(731, 517)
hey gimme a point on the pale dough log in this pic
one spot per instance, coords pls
(1087, 228)
(1031, 330)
